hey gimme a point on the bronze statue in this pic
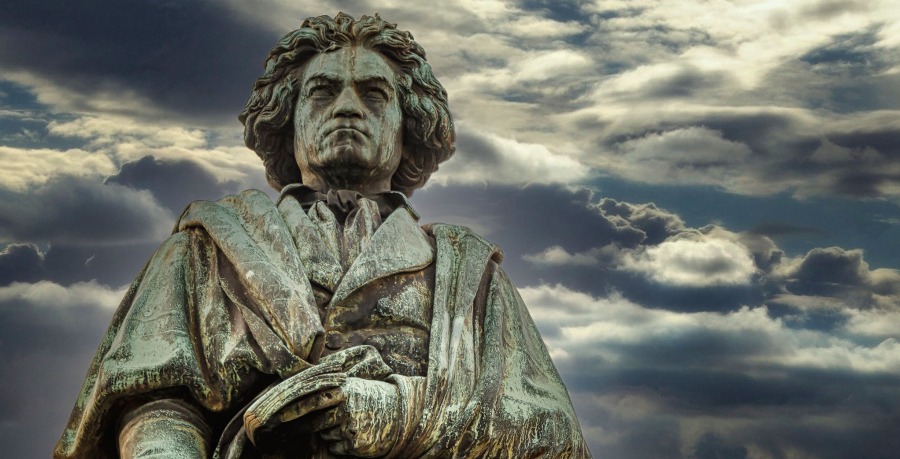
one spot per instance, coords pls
(329, 323)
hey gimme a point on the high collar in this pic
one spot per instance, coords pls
(342, 202)
(398, 245)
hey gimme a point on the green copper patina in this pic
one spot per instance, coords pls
(328, 324)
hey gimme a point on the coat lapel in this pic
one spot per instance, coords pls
(399, 245)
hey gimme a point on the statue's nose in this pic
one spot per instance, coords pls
(348, 104)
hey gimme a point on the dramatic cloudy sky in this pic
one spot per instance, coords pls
(699, 200)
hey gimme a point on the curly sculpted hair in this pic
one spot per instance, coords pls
(428, 137)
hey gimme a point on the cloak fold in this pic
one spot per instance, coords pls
(223, 301)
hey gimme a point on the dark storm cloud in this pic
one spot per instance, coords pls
(110, 265)
(803, 119)
(525, 227)
(650, 257)
(827, 285)
(832, 265)
(527, 220)
(601, 230)
(656, 224)
(559, 10)
(688, 82)
(194, 59)
(48, 334)
(21, 263)
(103, 231)
(76, 210)
(173, 183)
(734, 375)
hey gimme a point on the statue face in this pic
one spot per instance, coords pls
(347, 121)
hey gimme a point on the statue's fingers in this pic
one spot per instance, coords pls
(327, 419)
(314, 402)
(349, 357)
(264, 412)
(372, 367)
(364, 361)
(333, 434)
(340, 448)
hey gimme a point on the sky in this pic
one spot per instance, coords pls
(699, 201)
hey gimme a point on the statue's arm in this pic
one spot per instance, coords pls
(168, 428)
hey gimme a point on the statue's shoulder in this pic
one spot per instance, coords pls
(458, 236)
(246, 206)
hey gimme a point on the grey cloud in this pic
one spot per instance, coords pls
(825, 285)
(832, 265)
(526, 209)
(173, 183)
(48, 335)
(560, 10)
(808, 100)
(657, 224)
(82, 211)
(689, 82)
(21, 263)
(100, 231)
(194, 59)
(827, 9)
(805, 292)
(854, 50)
(712, 446)
(622, 41)
(111, 265)
(761, 153)
(735, 377)
(766, 255)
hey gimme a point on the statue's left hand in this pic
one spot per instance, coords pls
(341, 400)
(365, 421)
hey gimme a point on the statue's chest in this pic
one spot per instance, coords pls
(392, 314)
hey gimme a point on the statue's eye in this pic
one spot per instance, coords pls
(321, 91)
(376, 94)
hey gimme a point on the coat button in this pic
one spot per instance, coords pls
(334, 340)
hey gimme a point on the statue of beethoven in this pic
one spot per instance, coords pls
(329, 323)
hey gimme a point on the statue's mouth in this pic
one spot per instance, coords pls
(347, 129)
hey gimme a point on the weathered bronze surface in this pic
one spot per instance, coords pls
(329, 323)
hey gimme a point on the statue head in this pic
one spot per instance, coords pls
(341, 96)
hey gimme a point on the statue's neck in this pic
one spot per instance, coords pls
(348, 179)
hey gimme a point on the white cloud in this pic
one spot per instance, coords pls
(50, 296)
(104, 130)
(688, 155)
(702, 262)
(108, 97)
(874, 323)
(551, 65)
(749, 341)
(24, 168)
(558, 256)
(491, 158)
(531, 27)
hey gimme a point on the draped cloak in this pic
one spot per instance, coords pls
(225, 306)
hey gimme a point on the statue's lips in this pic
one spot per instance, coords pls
(339, 129)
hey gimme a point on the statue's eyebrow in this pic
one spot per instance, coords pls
(332, 78)
(323, 77)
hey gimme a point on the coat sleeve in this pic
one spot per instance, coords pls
(491, 389)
